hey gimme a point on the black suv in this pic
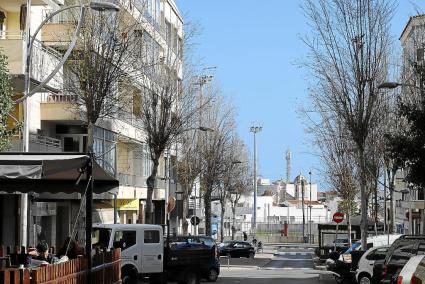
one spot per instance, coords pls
(202, 250)
(397, 256)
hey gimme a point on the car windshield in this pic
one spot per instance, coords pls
(225, 244)
(353, 247)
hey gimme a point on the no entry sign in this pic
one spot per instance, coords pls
(338, 217)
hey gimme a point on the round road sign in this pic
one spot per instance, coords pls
(338, 217)
(195, 220)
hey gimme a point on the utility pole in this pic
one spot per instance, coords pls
(255, 129)
(302, 181)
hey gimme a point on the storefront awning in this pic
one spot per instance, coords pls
(45, 172)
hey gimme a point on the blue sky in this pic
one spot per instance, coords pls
(256, 46)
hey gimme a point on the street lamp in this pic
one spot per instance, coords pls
(311, 205)
(393, 85)
(255, 129)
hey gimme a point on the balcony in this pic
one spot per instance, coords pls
(43, 61)
(58, 31)
(58, 107)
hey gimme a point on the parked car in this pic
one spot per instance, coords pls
(398, 255)
(364, 273)
(413, 272)
(236, 249)
(209, 270)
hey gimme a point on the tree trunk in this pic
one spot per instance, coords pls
(90, 137)
(150, 182)
(207, 206)
(349, 228)
(223, 211)
(392, 180)
(185, 202)
(364, 199)
(233, 219)
(375, 213)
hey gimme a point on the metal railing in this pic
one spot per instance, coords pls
(58, 98)
(45, 140)
(65, 17)
(11, 34)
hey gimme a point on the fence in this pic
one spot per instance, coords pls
(106, 269)
(272, 232)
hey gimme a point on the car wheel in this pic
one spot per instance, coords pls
(129, 275)
(251, 255)
(212, 275)
(229, 255)
(364, 279)
(339, 279)
(190, 277)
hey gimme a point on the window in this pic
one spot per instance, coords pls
(421, 249)
(151, 237)
(168, 33)
(378, 254)
(420, 54)
(125, 239)
(100, 237)
(402, 253)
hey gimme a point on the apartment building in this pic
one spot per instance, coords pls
(409, 204)
(119, 142)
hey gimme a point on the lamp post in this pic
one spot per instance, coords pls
(97, 6)
(311, 205)
(255, 129)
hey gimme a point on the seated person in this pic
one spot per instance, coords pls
(43, 254)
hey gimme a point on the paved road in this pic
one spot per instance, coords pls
(292, 258)
(287, 265)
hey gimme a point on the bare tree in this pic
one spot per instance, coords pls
(214, 147)
(188, 170)
(348, 58)
(103, 61)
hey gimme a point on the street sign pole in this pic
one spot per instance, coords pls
(338, 217)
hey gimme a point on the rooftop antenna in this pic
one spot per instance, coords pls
(288, 166)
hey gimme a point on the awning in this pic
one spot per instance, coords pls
(46, 172)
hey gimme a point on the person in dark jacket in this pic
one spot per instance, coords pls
(245, 236)
(43, 253)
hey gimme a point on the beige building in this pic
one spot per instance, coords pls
(53, 128)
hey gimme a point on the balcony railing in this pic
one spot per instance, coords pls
(11, 34)
(137, 181)
(45, 141)
(58, 98)
(43, 60)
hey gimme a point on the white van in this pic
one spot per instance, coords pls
(375, 241)
(142, 247)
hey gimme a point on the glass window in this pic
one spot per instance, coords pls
(125, 239)
(421, 249)
(151, 237)
(402, 253)
(100, 237)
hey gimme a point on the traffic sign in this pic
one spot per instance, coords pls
(194, 220)
(338, 217)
